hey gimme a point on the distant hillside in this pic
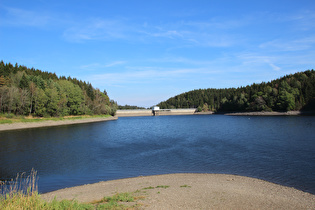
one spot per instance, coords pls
(25, 91)
(120, 107)
(291, 92)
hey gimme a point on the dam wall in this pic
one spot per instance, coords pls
(174, 112)
(134, 112)
(149, 112)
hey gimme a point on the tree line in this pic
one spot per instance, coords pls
(290, 92)
(120, 107)
(29, 91)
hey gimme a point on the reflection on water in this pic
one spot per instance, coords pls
(279, 149)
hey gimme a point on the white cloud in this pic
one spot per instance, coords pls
(291, 45)
(21, 17)
(171, 34)
(276, 68)
(213, 34)
(141, 75)
(200, 34)
(302, 20)
(96, 29)
(98, 66)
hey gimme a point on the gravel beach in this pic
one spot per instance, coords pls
(194, 191)
(48, 123)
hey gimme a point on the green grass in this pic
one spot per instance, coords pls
(9, 118)
(33, 201)
(162, 186)
(148, 188)
(30, 120)
(123, 197)
(118, 201)
(185, 185)
(159, 186)
(22, 193)
(5, 121)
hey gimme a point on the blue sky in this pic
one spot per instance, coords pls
(144, 51)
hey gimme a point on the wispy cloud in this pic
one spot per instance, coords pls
(97, 29)
(21, 17)
(141, 75)
(98, 66)
(218, 23)
(274, 67)
(291, 45)
(171, 34)
(210, 34)
(302, 20)
(249, 59)
(204, 34)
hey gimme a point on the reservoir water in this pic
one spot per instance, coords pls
(279, 149)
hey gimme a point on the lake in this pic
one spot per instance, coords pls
(279, 149)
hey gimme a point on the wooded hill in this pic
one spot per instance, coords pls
(291, 92)
(120, 107)
(25, 91)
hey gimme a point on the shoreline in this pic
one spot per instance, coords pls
(272, 113)
(50, 123)
(288, 113)
(193, 191)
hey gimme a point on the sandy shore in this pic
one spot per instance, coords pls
(194, 191)
(48, 123)
(289, 113)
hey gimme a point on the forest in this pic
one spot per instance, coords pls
(290, 92)
(120, 107)
(29, 91)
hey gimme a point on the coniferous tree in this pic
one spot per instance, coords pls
(291, 92)
(31, 91)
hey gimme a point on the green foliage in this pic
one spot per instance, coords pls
(148, 188)
(113, 202)
(162, 186)
(122, 197)
(185, 185)
(25, 91)
(24, 82)
(291, 92)
(120, 107)
(6, 121)
(2, 81)
(11, 118)
(19, 200)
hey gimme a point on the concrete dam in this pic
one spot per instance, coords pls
(154, 112)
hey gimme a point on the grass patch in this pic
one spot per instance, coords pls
(148, 188)
(159, 186)
(10, 118)
(5, 121)
(22, 193)
(185, 185)
(122, 197)
(33, 201)
(117, 201)
(30, 120)
(162, 186)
